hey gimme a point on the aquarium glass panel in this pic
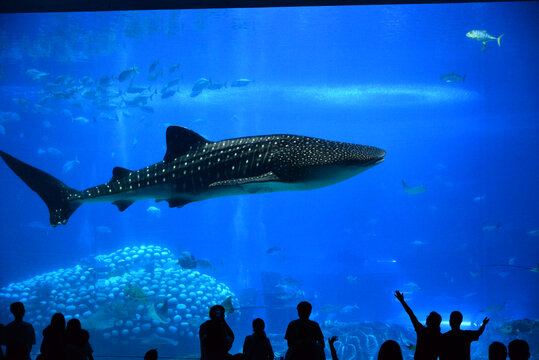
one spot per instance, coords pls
(157, 163)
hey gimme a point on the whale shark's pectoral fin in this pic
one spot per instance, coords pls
(177, 203)
(267, 177)
(122, 204)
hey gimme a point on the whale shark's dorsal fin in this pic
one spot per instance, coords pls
(119, 172)
(180, 140)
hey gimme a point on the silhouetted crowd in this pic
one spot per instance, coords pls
(305, 340)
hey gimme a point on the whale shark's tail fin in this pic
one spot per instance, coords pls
(57, 195)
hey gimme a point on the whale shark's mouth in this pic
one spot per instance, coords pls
(381, 157)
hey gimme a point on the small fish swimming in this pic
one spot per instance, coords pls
(476, 274)
(494, 308)
(174, 68)
(274, 250)
(35, 74)
(227, 304)
(80, 119)
(171, 83)
(199, 85)
(153, 66)
(452, 78)
(533, 233)
(128, 74)
(135, 293)
(414, 190)
(50, 150)
(159, 314)
(216, 85)
(105, 81)
(204, 264)
(168, 93)
(156, 74)
(410, 288)
(134, 89)
(532, 269)
(483, 37)
(187, 260)
(479, 198)
(103, 229)
(68, 166)
(155, 211)
(488, 228)
(349, 308)
(241, 83)
(137, 100)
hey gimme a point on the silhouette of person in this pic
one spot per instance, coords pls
(87, 350)
(216, 337)
(53, 346)
(428, 338)
(304, 337)
(519, 350)
(19, 336)
(390, 350)
(497, 351)
(331, 340)
(77, 341)
(257, 346)
(151, 355)
(456, 342)
(1, 341)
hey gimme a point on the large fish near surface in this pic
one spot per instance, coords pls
(196, 169)
(483, 37)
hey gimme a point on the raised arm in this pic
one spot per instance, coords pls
(413, 318)
(331, 340)
(482, 328)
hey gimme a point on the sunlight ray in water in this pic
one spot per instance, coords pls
(340, 96)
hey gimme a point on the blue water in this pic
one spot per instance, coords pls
(363, 74)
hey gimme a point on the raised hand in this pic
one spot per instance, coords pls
(399, 296)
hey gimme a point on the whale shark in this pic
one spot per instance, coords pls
(196, 169)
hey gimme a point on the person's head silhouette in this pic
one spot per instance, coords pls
(497, 351)
(519, 350)
(17, 309)
(455, 320)
(151, 355)
(390, 350)
(258, 326)
(304, 310)
(434, 320)
(217, 312)
(73, 325)
(58, 322)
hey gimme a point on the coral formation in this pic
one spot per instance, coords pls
(138, 293)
